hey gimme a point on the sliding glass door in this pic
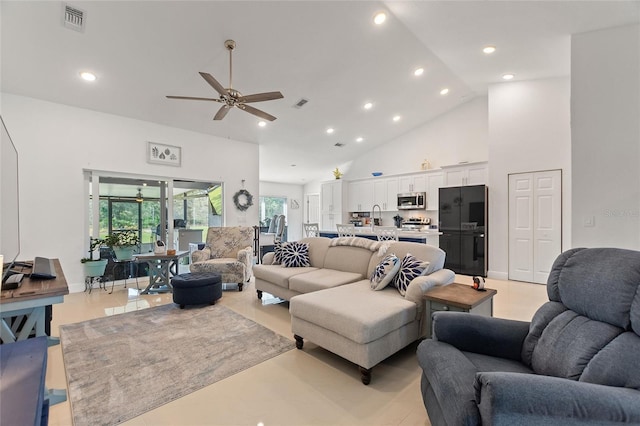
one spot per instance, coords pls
(174, 211)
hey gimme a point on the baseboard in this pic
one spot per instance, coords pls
(497, 275)
(76, 287)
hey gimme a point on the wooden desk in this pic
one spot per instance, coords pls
(29, 302)
(161, 268)
(458, 298)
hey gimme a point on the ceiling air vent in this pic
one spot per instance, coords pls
(301, 103)
(339, 144)
(74, 18)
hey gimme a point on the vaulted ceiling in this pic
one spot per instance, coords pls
(329, 53)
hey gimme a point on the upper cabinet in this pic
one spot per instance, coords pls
(465, 174)
(412, 183)
(385, 193)
(332, 196)
(435, 180)
(360, 196)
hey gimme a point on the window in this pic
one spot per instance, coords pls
(271, 206)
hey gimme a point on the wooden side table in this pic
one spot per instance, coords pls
(458, 298)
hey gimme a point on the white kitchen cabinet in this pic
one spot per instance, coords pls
(360, 196)
(333, 201)
(465, 174)
(385, 193)
(435, 180)
(328, 221)
(412, 183)
(330, 196)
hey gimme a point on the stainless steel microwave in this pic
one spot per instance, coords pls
(412, 201)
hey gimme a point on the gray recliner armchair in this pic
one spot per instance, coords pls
(577, 362)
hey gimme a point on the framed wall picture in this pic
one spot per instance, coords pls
(159, 153)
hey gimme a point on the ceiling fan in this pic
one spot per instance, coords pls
(232, 98)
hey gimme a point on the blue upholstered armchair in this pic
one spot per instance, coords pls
(577, 362)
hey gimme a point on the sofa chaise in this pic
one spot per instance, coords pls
(577, 362)
(333, 305)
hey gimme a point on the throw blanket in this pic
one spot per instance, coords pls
(360, 242)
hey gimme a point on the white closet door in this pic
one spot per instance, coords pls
(535, 224)
(521, 227)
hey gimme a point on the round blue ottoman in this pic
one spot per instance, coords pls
(196, 288)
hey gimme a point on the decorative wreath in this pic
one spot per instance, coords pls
(243, 200)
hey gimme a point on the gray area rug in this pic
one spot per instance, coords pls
(122, 366)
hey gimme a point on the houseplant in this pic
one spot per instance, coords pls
(123, 243)
(94, 267)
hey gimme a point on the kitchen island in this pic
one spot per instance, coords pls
(414, 236)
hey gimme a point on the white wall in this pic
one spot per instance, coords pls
(57, 142)
(605, 111)
(294, 216)
(528, 131)
(459, 135)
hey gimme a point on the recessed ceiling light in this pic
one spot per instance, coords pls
(418, 72)
(380, 18)
(368, 105)
(88, 76)
(489, 49)
(396, 118)
(444, 91)
(359, 139)
(330, 130)
(508, 76)
(262, 123)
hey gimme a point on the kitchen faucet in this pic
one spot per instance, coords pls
(373, 219)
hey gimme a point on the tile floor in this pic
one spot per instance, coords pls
(308, 387)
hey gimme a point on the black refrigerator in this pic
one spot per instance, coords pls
(462, 216)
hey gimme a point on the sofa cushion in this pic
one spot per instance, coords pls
(350, 259)
(295, 255)
(354, 311)
(318, 247)
(410, 268)
(321, 279)
(384, 272)
(278, 275)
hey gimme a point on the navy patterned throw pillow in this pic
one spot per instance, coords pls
(410, 268)
(384, 272)
(295, 255)
(277, 253)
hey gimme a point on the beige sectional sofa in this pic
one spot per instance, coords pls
(332, 303)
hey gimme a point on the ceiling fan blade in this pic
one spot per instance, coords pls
(259, 97)
(224, 109)
(214, 83)
(194, 99)
(256, 111)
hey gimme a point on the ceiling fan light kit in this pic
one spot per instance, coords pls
(230, 97)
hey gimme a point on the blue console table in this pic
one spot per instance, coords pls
(23, 367)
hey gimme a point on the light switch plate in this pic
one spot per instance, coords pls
(589, 222)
